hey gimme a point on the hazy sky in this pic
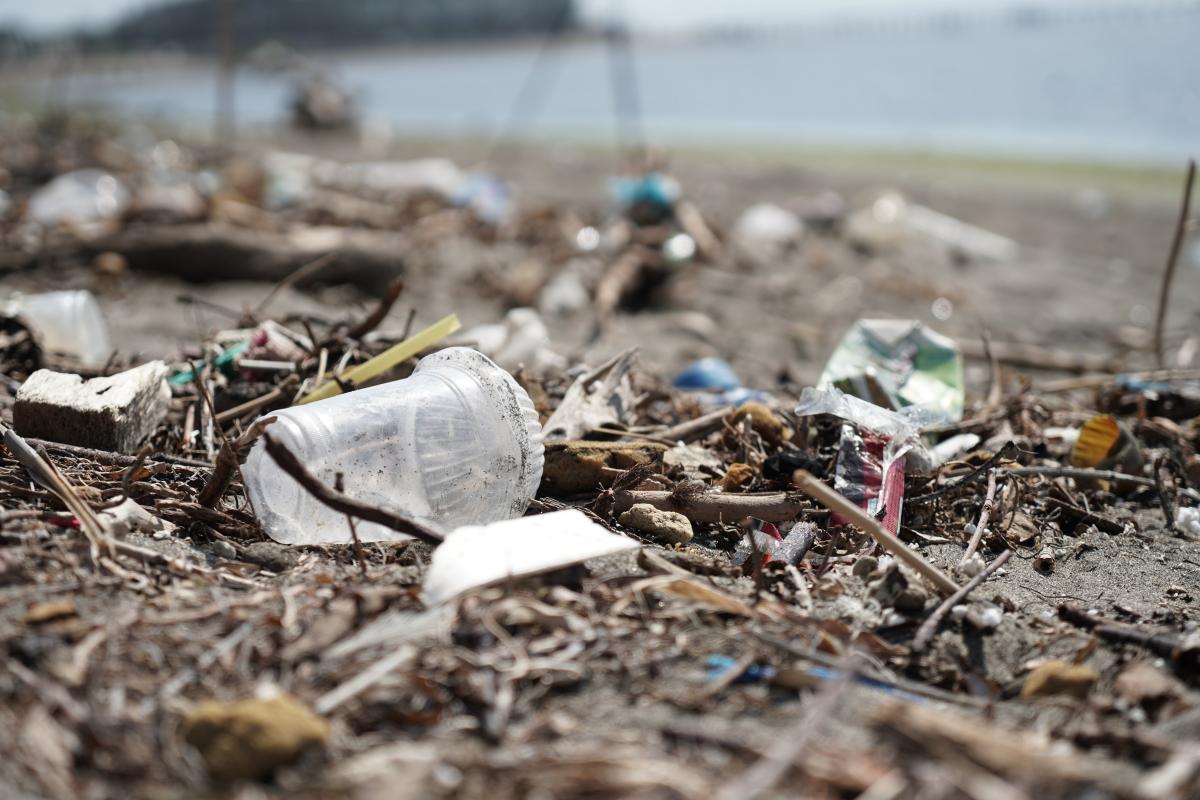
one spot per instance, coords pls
(657, 14)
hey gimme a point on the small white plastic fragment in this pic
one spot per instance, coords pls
(476, 556)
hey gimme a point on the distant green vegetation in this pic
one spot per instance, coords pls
(191, 24)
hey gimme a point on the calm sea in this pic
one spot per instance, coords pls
(1114, 86)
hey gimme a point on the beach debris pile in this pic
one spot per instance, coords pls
(323, 556)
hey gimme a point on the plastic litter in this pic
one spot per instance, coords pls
(82, 198)
(653, 190)
(875, 447)
(768, 224)
(521, 339)
(714, 374)
(898, 363)
(891, 216)
(472, 557)
(458, 443)
(487, 197)
(68, 322)
(388, 358)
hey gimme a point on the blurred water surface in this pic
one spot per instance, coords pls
(1116, 87)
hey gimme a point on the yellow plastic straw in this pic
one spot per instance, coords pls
(388, 358)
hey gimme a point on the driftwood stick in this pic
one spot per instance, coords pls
(287, 388)
(817, 490)
(107, 457)
(1034, 357)
(306, 270)
(1162, 643)
(229, 461)
(1164, 293)
(929, 626)
(288, 462)
(696, 428)
(1081, 473)
(984, 514)
(1096, 381)
(372, 320)
(721, 507)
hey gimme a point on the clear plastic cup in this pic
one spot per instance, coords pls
(66, 322)
(457, 443)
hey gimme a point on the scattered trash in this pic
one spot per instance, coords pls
(875, 447)
(87, 200)
(318, 104)
(898, 363)
(67, 322)
(766, 231)
(665, 526)
(719, 666)
(116, 413)
(458, 443)
(487, 197)
(716, 384)
(250, 739)
(1103, 443)
(646, 199)
(709, 374)
(477, 556)
(520, 340)
(890, 217)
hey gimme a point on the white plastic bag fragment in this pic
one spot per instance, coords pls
(81, 198)
(476, 556)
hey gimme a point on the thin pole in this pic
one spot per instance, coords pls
(224, 123)
(1160, 319)
(625, 93)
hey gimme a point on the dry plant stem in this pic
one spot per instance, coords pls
(1096, 381)
(305, 270)
(229, 461)
(288, 462)
(106, 457)
(1027, 355)
(719, 507)
(358, 548)
(995, 390)
(285, 389)
(762, 776)
(1164, 294)
(817, 490)
(1166, 645)
(48, 475)
(1092, 474)
(695, 429)
(929, 627)
(371, 322)
(984, 514)
(1004, 452)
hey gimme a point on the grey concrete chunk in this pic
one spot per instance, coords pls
(116, 413)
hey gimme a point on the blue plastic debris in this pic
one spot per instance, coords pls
(712, 374)
(486, 196)
(653, 189)
(719, 665)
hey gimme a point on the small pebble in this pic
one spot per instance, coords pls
(222, 549)
(669, 527)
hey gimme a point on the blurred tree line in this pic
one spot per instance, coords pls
(189, 24)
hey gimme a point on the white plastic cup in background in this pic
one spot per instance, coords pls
(457, 443)
(67, 322)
